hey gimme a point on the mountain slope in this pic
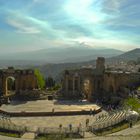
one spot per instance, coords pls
(130, 55)
(55, 70)
(62, 55)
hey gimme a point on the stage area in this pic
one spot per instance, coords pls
(48, 106)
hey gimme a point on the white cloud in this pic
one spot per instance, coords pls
(109, 43)
(30, 25)
(110, 6)
(80, 11)
(22, 27)
(98, 21)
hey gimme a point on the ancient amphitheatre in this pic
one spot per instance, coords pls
(51, 123)
(69, 69)
(79, 112)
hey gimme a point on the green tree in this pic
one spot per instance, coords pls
(133, 103)
(50, 82)
(57, 87)
(40, 79)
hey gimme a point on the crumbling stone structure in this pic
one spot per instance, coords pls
(93, 83)
(21, 80)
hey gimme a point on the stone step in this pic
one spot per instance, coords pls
(29, 135)
(88, 135)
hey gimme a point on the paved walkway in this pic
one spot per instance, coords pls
(112, 138)
(88, 138)
(11, 138)
(127, 134)
(53, 122)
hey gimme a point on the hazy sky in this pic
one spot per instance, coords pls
(35, 24)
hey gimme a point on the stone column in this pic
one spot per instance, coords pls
(4, 86)
(66, 85)
(79, 90)
(73, 83)
(16, 84)
(79, 84)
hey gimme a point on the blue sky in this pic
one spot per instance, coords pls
(37, 24)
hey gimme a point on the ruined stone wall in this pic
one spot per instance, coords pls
(100, 81)
(71, 85)
(78, 83)
(100, 64)
(24, 80)
(113, 81)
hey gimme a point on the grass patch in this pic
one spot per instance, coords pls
(9, 134)
(52, 137)
(133, 103)
(112, 129)
(57, 136)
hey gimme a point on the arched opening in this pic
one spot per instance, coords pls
(11, 87)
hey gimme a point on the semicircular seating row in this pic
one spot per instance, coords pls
(7, 124)
(109, 120)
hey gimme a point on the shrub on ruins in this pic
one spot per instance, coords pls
(56, 87)
(50, 82)
(40, 79)
(133, 103)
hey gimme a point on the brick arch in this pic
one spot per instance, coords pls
(21, 77)
(11, 87)
(5, 78)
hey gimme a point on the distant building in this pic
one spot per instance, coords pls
(93, 83)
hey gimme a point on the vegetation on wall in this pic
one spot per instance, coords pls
(11, 83)
(40, 79)
(56, 87)
(50, 82)
(133, 103)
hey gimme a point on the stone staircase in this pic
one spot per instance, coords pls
(29, 135)
(109, 120)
